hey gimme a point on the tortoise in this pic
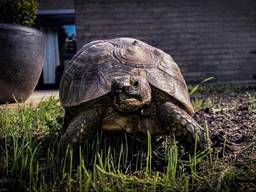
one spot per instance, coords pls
(124, 84)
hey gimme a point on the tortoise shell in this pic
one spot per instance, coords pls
(88, 75)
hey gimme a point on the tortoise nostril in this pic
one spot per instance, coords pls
(135, 83)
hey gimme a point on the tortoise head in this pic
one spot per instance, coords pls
(130, 93)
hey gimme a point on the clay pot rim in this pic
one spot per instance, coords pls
(18, 27)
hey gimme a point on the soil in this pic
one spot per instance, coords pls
(231, 121)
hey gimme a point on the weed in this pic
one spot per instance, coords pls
(195, 88)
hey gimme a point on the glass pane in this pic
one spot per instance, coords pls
(70, 40)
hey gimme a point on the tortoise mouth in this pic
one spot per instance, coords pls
(127, 103)
(129, 97)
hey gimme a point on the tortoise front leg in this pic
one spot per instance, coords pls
(187, 131)
(83, 126)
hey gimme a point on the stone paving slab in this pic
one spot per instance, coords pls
(35, 98)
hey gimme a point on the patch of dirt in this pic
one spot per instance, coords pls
(231, 122)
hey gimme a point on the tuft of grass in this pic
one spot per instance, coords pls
(195, 88)
(23, 120)
(209, 88)
(207, 103)
(252, 102)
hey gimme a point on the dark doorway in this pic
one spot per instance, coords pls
(60, 45)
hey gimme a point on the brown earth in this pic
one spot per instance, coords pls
(231, 120)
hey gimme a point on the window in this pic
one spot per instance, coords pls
(70, 41)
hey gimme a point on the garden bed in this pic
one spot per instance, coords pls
(31, 158)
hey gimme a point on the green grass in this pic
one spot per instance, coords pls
(27, 120)
(252, 102)
(196, 91)
(30, 154)
(206, 88)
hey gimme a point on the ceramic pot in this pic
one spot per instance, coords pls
(21, 61)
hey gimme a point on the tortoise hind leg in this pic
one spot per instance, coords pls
(187, 131)
(82, 127)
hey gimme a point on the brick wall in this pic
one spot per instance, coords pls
(205, 37)
(56, 4)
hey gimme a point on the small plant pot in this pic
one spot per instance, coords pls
(21, 61)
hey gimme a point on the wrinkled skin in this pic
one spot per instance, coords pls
(133, 106)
